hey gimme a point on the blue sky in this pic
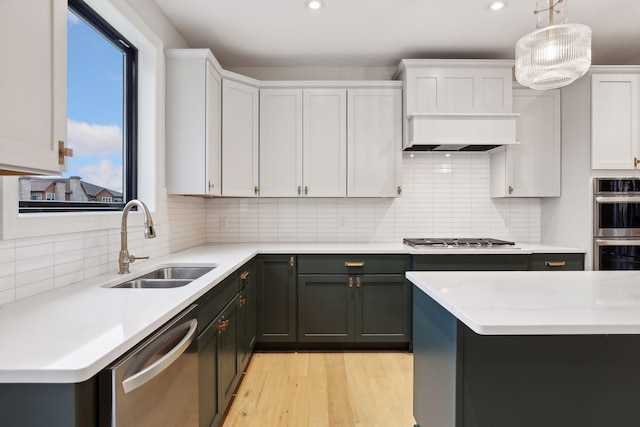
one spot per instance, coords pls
(94, 91)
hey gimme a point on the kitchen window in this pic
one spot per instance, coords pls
(101, 122)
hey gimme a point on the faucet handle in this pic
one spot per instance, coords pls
(132, 258)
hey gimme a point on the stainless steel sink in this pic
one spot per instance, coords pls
(190, 273)
(154, 283)
(166, 277)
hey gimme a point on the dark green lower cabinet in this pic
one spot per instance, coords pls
(382, 308)
(326, 308)
(228, 369)
(208, 375)
(246, 316)
(340, 308)
(276, 299)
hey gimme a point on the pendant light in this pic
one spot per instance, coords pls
(557, 53)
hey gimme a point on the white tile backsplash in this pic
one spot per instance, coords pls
(442, 196)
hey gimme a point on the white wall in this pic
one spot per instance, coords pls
(442, 197)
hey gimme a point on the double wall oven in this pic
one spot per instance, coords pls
(616, 224)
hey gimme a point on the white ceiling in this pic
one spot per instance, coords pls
(378, 33)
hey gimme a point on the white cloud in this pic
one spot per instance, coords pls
(104, 174)
(93, 140)
(72, 17)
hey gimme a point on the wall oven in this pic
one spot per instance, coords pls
(616, 224)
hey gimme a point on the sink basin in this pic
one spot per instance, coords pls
(189, 273)
(154, 283)
(166, 277)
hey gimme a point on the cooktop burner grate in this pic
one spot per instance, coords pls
(457, 243)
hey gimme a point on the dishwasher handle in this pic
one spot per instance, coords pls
(147, 374)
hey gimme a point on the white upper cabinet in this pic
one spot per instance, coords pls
(531, 168)
(239, 139)
(614, 121)
(303, 142)
(280, 142)
(324, 153)
(193, 132)
(33, 86)
(373, 143)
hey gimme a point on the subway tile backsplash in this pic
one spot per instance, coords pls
(442, 196)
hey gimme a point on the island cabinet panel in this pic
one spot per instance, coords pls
(46, 405)
(466, 262)
(276, 299)
(209, 411)
(463, 379)
(246, 314)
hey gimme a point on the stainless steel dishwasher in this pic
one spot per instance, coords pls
(156, 383)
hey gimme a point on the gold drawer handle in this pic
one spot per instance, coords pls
(244, 275)
(555, 263)
(354, 264)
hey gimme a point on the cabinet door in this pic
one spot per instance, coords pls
(324, 153)
(246, 316)
(276, 299)
(209, 412)
(382, 308)
(280, 142)
(33, 85)
(614, 121)
(239, 139)
(325, 308)
(532, 168)
(374, 142)
(193, 116)
(228, 372)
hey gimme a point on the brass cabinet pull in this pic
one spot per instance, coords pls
(243, 301)
(211, 186)
(555, 263)
(299, 190)
(510, 189)
(256, 190)
(292, 262)
(306, 190)
(358, 284)
(222, 325)
(354, 264)
(244, 275)
(399, 190)
(63, 152)
(636, 162)
(351, 282)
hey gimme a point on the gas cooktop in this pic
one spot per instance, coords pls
(458, 243)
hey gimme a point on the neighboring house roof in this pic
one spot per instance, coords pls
(39, 185)
(93, 190)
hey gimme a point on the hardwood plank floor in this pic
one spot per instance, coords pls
(335, 389)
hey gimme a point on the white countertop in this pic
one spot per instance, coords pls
(69, 334)
(538, 302)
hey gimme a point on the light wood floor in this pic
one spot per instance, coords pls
(338, 389)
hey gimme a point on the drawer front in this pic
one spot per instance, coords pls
(466, 262)
(210, 304)
(353, 264)
(556, 262)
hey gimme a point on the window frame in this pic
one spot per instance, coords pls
(130, 121)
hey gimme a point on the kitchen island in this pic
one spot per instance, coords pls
(526, 348)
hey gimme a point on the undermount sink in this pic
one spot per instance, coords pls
(153, 283)
(166, 277)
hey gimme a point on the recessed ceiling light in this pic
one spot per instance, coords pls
(497, 5)
(314, 4)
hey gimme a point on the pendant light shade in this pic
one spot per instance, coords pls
(554, 55)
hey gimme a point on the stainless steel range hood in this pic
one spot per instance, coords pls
(459, 132)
